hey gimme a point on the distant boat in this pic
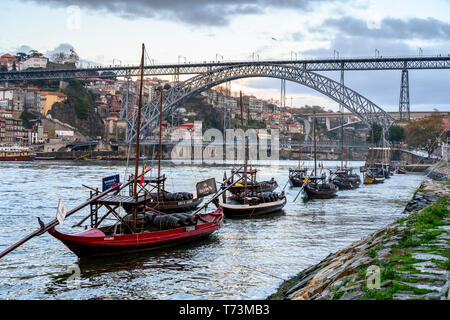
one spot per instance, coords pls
(374, 174)
(297, 175)
(16, 153)
(92, 159)
(85, 157)
(317, 187)
(259, 186)
(345, 179)
(250, 200)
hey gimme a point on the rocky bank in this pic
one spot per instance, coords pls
(408, 259)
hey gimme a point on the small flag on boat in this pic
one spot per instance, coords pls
(61, 213)
(144, 168)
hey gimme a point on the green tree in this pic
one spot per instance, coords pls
(77, 97)
(33, 53)
(396, 134)
(426, 133)
(377, 131)
(20, 56)
(27, 116)
(310, 109)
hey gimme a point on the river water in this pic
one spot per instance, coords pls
(245, 259)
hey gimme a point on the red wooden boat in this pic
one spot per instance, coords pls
(144, 227)
(103, 241)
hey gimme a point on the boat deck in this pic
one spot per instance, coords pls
(118, 199)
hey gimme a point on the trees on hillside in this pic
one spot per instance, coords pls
(426, 133)
(22, 56)
(63, 57)
(377, 131)
(396, 134)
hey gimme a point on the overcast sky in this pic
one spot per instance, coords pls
(200, 30)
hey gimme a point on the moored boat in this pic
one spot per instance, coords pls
(105, 241)
(260, 186)
(16, 153)
(253, 208)
(345, 179)
(249, 201)
(315, 186)
(297, 176)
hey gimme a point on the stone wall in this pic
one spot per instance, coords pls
(408, 259)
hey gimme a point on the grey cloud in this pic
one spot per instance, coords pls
(62, 47)
(198, 12)
(390, 28)
(361, 47)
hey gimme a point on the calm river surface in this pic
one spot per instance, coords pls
(245, 259)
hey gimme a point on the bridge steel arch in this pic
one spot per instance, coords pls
(367, 111)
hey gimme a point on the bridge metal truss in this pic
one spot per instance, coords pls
(364, 109)
(199, 68)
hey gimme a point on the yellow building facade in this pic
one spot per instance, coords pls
(49, 98)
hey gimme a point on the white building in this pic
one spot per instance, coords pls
(6, 99)
(255, 104)
(33, 62)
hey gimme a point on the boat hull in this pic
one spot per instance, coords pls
(265, 186)
(17, 158)
(326, 193)
(94, 242)
(247, 211)
(371, 180)
(347, 183)
(296, 182)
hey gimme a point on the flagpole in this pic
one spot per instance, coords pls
(138, 133)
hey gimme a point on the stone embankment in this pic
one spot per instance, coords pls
(440, 173)
(408, 259)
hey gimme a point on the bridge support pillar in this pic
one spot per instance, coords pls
(283, 94)
(404, 97)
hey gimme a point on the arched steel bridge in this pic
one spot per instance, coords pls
(363, 108)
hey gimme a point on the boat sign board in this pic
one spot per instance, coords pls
(206, 187)
(108, 182)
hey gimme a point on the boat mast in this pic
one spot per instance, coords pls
(160, 138)
(315, 146)
(139, 124)
(347, 150)
(372, 158)
(299, 147)
(342, 139)
(245, 148)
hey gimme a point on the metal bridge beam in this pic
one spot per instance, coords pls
(364, 109)
(198, 68)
